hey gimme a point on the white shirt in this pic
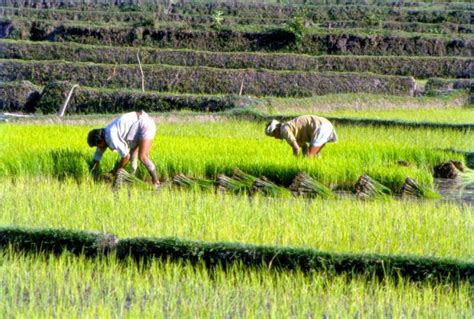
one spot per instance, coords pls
(124, 133)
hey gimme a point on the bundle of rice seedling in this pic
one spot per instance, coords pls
(123, 177)
(226, 183)
(451, 169)
(366, 187)
(306, 186)
(265, 186)
(239, 182)
(244, 178)
(182, 180)
(412, 189)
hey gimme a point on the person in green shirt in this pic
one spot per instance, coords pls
(306, 134)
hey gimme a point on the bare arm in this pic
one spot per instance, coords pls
(286, 133)
(296, 148)
(121, 164)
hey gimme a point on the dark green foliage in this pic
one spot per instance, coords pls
(87, 100)
(437, 86)
(53, 96)
(289, 258)
(56, 241)
(21, 96)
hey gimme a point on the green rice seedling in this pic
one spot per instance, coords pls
(182, 180)
(412, 189)
(123, 177)
(306, 186)
(67, 163)
(264, 186)
(366, 187)
(388, 226)
(226, 183)
(66, 286)
(206, 150)
(240, 181)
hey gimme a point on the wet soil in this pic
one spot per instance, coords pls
(457, 190)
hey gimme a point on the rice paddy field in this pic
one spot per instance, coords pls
(231, 231)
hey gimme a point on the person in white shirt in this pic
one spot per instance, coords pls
(131, 135)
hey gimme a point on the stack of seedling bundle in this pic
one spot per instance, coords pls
(239, 183)
(123, 177)
(306, 186)
(182, 180)
(264, 186)
(366, 187)
(412, 189)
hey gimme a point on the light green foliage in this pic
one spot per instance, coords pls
(217, 19)
(45, 286)
(296, 26)
(429, 228)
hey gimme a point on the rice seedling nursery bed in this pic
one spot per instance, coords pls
(258, 246)
(209, 149)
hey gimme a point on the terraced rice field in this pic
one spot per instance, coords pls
(394, 77)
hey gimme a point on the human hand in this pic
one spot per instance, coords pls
(108, 177)
(296, 150)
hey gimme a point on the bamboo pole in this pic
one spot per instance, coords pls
(66, 102)
(141, 71)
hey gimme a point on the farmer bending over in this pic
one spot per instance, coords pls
(308, 133)
(130, 135)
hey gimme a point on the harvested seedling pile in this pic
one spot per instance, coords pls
(449, 169)
(412, 189)
(306, 186)
(366, 187)
(264, 186)
(182, 180)
(240, 182)
(124, 177)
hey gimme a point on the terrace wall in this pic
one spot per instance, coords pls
(351, 17)
(418, 67)
(277, 40)
(207, 80)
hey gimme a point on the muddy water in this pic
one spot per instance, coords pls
(455, 190)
